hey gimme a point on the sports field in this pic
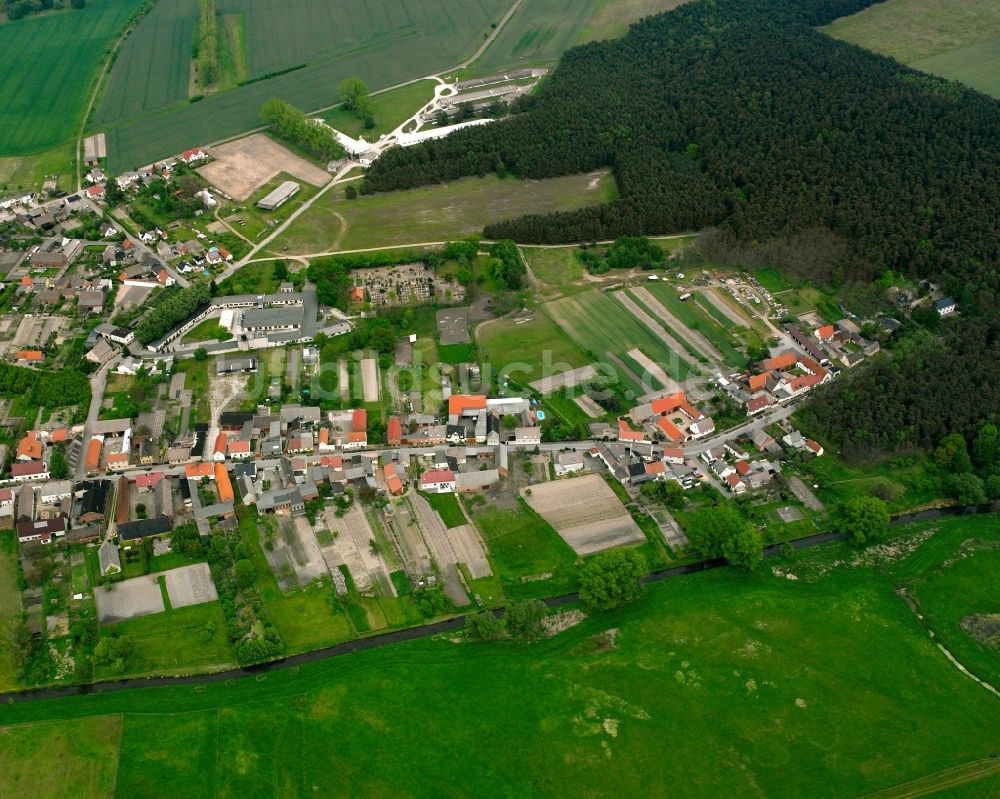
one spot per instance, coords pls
(47, 68)
(958, 41)
(433, 213)
(617, 332)
(755, 685)
(313, 44)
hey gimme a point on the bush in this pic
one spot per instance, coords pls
(246, 574)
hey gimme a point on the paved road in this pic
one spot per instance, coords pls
(98, 382)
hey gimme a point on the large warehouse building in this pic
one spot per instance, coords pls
(279, 196)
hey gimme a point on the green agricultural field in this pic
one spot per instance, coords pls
(177, 641)
(536, 347)
(448, 509)
(10, 606)
(977, 65)
(538, 33)
(313, 44)
(527, 554)
(433, 213)
(30, 171)
(706, 667)
(232, 51)
(957, 41)
(49, 64)
(692, 315)
(618, 332)
(611, 18)
(77, 757)
(390, 110)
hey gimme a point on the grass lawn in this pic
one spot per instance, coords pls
(77, 758)
(714, 312)
(257, 223)
(531, 350)
(953, 577)
(30, 171)
(150, 767)
(176, 641)
(196, 380)
(556, 268)
(773, 280)
(255, 278)
(521, 544)
(562, 406)
(390, 110)
(434, 213)
(10, 606)
(456, 353)
(906, 481)
(207, 330)
(448, 509)
(756, 686)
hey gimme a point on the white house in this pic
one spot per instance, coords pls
(566, 462)
(438, 481)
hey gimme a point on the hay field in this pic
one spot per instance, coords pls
(954, 40)
(586, 512)
(47, 67)
(538, 33)
(312, 44)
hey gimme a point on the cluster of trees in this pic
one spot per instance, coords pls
(185, 540)
(971, 478)
(612, 578)
(721, 531)
(247, 624)
(627, 252)
(865, 519)
(354, 95)
(666, 492)
(174, 305)
(521, 621)
(206, 46)
(506, 265)
(291, 124)
(333, 281)
(114, 650)
(45, 389)
(18, 9)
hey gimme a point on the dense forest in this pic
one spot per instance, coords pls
(798, 151)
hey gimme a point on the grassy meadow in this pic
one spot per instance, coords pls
(433, 213)
(390, 110)
(957, 41)
(538, 33)
(48, 66)
(756, 685)
(533, 345)
(611, 18)
(10, 606)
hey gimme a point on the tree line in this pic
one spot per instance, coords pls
(294, 126)
(174, 306)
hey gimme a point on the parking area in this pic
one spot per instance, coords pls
(453, 325)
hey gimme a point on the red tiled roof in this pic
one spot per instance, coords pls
(195, 471)
(742, 468)
(29, 355)
(433, 476)
(733, 479)
(324, 435)
(394, 430)
(675, 453)
(148, 479)
(220, 442)
(668, 404)
(93, 459)
(669, 429)
(460, 403)
(656, 467)
(359, 420)
(825, 332)
(779, 361)
(222, 483)
(239, 445)
(59, 435)
(625, 433)
(356, 438)
(757, 382)
(756, 403)
(357, 294)
(30, 446)
(332, 461)
(27, 469)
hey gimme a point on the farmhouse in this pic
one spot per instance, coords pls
(42, 530)
(438, 481)
(566, 462)
(279, 196)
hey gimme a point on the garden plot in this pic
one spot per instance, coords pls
(451, 547)
(586, 513)
(693, 337)
(128, 599)
(243, 166)
(569, 379)
(190, 585)
(654, 369)
(725, 308)
(589, 407)
(352, 546)
(369, 378)
(654, 326)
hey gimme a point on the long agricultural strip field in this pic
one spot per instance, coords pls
(314, 44)
(47, 67)
(709, 663)
(600, 325)
(434, 213)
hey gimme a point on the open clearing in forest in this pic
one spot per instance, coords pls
(435, 213)
(586, 512)
(243, 166)
(751, 653)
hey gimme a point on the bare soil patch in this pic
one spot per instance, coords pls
(243, 166)
(654, 370)
(547, 385)
(369, 376)
(586, 513)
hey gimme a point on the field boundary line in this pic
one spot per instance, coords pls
(973, 771)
